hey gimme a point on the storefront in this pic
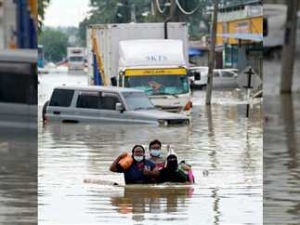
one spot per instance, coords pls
(239, 31)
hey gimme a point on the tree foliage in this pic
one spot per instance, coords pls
(42, 5)
(55, 44)
(125, 11)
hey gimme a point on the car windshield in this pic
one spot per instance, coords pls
(159, 85)
(137, 100)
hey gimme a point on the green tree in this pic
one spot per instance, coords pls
(55, 44)
(124, 11)
(42, 5)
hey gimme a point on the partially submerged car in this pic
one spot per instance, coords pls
(223, 78)
(106, 104)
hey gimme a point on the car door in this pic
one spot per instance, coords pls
(228, 79)
(217, 82)
(60, 105)
(108, 111)
(87, 106)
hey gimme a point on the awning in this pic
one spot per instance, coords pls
(243, 36)
(195, 52)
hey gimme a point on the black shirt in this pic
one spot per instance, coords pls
(176, 176)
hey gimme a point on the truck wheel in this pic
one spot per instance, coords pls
(44, 111)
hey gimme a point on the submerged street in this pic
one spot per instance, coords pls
(281, 147)
(223, 147)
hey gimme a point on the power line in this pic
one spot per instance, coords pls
(185, 12)
(158, 7)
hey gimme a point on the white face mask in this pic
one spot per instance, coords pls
(138, 158)
(155, 152)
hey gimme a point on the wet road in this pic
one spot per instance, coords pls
(282, 160)
(281, 148)
(224, 149)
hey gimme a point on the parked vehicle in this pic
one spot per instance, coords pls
(106, 105)
(76, 58)
(223, 78)
(18, 88)
(198, 76)
(138, 56)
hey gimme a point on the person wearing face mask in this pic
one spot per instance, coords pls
(156, 154)
(172, 173)
(141, 171)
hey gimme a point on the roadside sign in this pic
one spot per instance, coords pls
(144, 72)
(243, 79)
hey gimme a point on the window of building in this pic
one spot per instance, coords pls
(18, 83)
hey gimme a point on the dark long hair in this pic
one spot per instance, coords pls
(134, 147)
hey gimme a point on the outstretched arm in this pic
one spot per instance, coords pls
(113, 167)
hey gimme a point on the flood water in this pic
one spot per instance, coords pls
(18, 176)
(281, 148)
(223, 147)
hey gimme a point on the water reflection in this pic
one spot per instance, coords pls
(140, 201)
(18, 176)
(281, 160)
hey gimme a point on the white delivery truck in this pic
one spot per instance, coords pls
(76, 58)
(139, 56)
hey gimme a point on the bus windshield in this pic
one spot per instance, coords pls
(76, 59)
(159, 85)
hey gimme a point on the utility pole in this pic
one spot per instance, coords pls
(153, 8)
(211, 62)
(132, 14)
(288, 52)
(172, 9)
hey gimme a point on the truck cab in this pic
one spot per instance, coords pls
(76, 58)
(159, 69)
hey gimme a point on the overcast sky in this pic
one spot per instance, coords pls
(66, 13)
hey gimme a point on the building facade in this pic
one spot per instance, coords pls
(240, 35)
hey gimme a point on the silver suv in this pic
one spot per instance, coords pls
(106, 104)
